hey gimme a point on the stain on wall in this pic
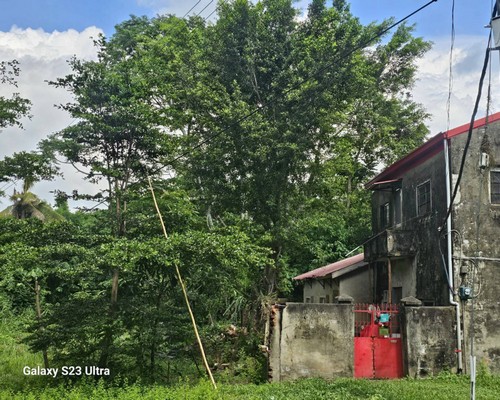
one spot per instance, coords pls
(429, 340)
(313, 340)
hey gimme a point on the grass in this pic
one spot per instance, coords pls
(444, 387)
(13, 354)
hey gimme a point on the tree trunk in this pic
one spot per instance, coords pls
(39, 318)
(114, 289)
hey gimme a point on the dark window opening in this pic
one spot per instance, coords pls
(424, 198)
(495, 187)
(397, 294)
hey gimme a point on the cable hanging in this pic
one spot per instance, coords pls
(450, 73)
(469, 134)
(191, 9)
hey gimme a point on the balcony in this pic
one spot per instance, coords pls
(390, 243)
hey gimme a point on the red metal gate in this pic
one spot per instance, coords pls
(377, 342)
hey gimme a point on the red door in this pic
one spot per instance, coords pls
(363, 357)
(377, 345)
(388, 358)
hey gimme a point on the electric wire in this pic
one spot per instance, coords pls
(8, 185)
(443, 234)
(204, 8)
(209, 15)
(475, 270)
(191, 9)
(450, 73)
(469, 135)
(260, 107)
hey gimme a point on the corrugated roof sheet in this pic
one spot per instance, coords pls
(336, 266)
(429, 149)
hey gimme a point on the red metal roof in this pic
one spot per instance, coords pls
(428, 150)
(477, 124)
(330, 268)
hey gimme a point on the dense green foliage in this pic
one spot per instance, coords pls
(72, 268)
(257, 132)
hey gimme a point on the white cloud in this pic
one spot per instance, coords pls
(432, 87)
(43, 57)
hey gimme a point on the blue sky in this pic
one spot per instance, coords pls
(43, 34)
(61, 15)
(435, 20)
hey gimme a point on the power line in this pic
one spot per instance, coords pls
(260, 107)
(191, 9)
(450, 77)
(8, 185)
(471, 128)
(204, 8)
(209, 15)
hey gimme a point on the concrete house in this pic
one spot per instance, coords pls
(419, 251)
(351, 276)
(440, 269)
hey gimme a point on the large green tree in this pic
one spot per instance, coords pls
(297, 111)
(117, 138)
(271, 113)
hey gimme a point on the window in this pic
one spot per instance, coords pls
(495, 186)
(384, 215)
(424, 198)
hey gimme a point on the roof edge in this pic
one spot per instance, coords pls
(328, 269)
(427, 150)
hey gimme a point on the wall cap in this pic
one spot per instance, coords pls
(411, 301)
(344, 299)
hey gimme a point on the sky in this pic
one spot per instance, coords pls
(43, 34)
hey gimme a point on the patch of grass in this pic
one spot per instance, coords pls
(14, 355)
(309, 389)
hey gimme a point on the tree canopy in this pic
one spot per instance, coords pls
(258, 131)
(14, 108)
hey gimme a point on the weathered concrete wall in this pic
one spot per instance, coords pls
(358, 285)
(404, 276)
(274, 368)
(486, 324)
(315, 340)
(429, 340)
(315, 289)
(427, 279)
(474, 216)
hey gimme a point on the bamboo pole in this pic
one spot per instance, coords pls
(179, 277)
